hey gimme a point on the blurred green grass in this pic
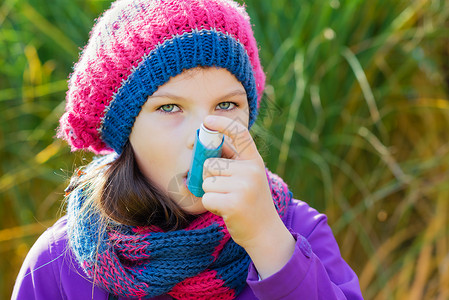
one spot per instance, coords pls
(355, 119)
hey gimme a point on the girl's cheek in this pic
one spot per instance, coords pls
(240, 116)
(173, 127)
(171, 122)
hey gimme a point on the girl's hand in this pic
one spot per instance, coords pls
(236, 188)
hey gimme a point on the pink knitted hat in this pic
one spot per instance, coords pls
(137, 46)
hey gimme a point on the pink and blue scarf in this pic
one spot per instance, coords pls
(198, 262)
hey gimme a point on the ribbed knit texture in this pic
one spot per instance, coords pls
(137, 46)
(199, 262)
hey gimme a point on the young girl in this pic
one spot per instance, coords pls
(152, 73)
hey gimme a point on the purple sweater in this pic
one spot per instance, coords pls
(315, 271)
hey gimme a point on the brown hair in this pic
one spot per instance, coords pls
(120, 192)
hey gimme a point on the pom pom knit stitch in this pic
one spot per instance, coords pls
(137, 46)
(198, 262)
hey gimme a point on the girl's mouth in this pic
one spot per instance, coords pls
(184, 180)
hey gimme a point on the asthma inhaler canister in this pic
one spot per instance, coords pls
(208, 143)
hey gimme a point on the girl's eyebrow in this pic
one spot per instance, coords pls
(239, 92)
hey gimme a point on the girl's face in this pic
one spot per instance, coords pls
(164, 132)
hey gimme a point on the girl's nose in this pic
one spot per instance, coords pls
(191, 139)
(192, 134)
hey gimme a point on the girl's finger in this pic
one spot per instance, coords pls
(218, 167)
(228, 150)
(218, 184)
(242, 140)
(215, 202)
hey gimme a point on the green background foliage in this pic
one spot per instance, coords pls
(354, 118)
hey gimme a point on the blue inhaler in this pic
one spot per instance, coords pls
(208, 143)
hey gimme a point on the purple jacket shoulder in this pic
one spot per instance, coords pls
(315, 271)
(50, 270)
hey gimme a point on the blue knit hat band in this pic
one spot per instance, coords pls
(192, 49)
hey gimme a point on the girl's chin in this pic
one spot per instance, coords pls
(185, 199)
(195, 207)
(189, 202)
(196, 211)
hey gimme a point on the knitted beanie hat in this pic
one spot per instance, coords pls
(137, 46)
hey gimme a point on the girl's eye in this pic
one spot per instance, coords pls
(226, 105)
(167, 108)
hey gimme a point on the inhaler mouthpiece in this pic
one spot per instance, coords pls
(208, 143)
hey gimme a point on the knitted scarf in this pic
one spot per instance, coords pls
(198, 262)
